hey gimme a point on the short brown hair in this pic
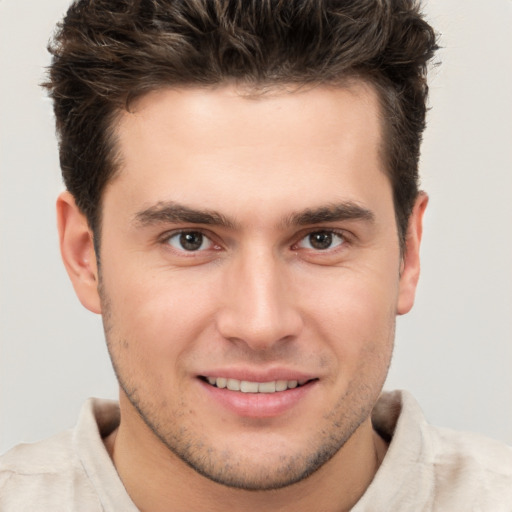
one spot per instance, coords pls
(108, 52)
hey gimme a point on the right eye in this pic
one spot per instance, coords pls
(190, 241)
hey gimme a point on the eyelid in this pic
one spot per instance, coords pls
(166, 236)
(345, 235)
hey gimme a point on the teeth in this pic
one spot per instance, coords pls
(233, 385)
(246, 386)
(249, 387)
(281, 385)
(266, 387)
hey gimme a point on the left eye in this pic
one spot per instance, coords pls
(190, 241)
(321, 240)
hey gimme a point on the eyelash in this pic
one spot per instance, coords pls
(166, 238)
(342, 235)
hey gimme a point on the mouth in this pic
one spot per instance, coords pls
(259, 397)
(246, 386)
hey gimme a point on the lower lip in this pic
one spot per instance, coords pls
(259, 405)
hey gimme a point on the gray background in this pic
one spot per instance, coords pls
(454, 351)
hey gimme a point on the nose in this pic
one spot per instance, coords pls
(259, 305)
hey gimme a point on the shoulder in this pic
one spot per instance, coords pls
(49, 473)
(478, 466)
(51, 455)
(470, 449)
(438, 469)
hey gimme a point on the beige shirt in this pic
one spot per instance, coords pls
(425, 469)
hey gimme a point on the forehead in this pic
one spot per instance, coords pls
(256, 112)
(209, 145)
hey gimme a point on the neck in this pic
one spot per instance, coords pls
(158, 481)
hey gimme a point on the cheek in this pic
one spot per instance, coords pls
(355, 313)
(155, 317)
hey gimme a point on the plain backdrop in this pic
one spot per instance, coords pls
(453, 352)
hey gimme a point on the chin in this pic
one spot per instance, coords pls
(265, 476)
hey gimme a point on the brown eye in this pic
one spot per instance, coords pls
(321, 240)
(189, 241)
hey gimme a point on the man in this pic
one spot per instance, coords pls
(242, 208)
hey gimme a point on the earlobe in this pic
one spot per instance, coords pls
(77, 251)
(410, 266)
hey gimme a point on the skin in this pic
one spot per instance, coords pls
(257, 298)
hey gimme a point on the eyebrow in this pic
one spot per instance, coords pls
(172, 212)
(331, 213)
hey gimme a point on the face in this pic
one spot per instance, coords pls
(250, 277)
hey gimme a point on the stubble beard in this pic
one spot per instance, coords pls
(226, 467)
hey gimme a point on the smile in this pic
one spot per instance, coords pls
(246, 386)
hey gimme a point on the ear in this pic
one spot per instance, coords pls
(410, 265)
(77, 251)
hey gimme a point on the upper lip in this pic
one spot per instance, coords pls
(252, 375)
